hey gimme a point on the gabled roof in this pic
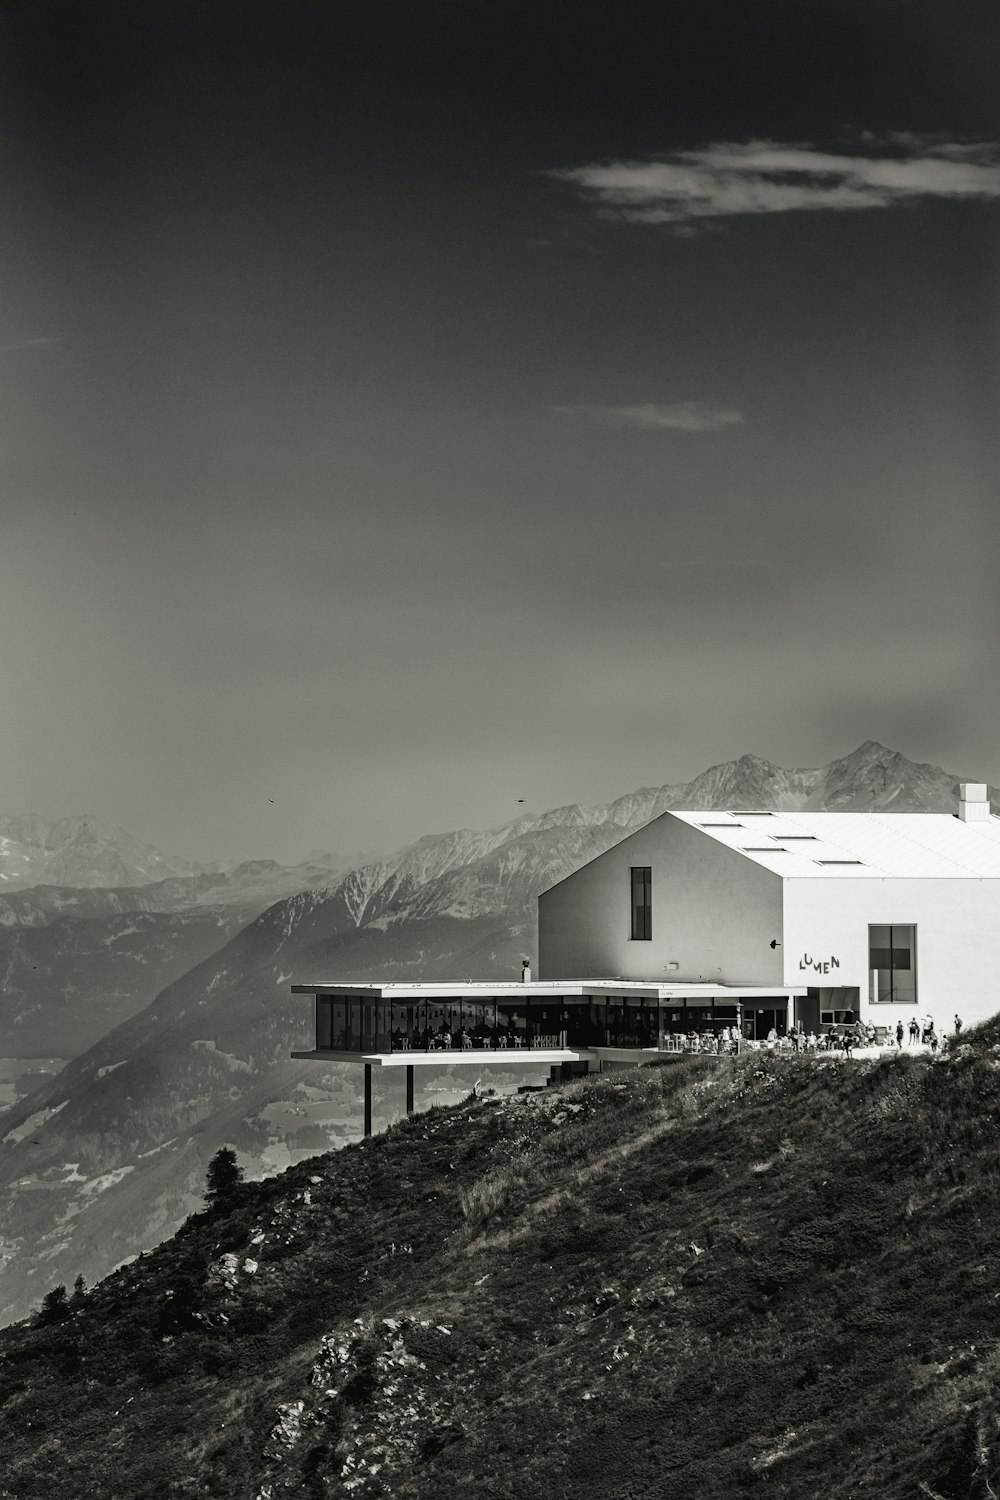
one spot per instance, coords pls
(837, 846)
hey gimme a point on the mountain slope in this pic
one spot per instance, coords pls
(209, 1059)
(687, 1280)
(253, 885)
(67, 983)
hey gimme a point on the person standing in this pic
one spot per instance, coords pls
(899, 1033)
(914, 1032)
(958, 1027)
(932, 1037)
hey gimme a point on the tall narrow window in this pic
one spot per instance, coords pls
(642, 902)
(892, 961)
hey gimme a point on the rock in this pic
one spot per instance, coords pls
(286, 1429)
(227, 1270)
(250, 1266)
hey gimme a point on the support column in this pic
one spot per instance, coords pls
(409, 1089)
(368, 1098)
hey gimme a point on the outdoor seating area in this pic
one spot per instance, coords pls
(861, 1039)
(444, 1040)
(716, 1043)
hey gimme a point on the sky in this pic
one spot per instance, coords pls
(410, 408)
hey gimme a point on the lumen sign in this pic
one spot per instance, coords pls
(821, 965)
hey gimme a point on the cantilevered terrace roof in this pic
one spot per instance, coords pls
(827, 845)
(539, 989)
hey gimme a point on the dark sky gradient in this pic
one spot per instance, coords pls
(315, 484)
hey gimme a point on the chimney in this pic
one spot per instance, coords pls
(525, 970)
(973, 802)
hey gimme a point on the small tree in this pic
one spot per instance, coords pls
(79, 1288)
(224, 1179)
(55, 1307)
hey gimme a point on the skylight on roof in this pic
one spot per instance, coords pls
(753, 814)
(765, 849)
(720, 825)
(788, 837)
(840, 861)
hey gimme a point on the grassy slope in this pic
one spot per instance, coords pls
(690, 1280)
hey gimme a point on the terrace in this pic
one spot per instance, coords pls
(563, 1024)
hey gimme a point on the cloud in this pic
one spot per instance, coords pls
(764, 177)
(680, 416)
(35, 343)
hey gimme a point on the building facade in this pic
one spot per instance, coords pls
(877, 916)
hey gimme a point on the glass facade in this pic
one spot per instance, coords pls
(618, 1021)
(892, 962)
(351, 1025)
(432, 1023)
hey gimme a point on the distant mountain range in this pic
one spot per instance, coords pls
(108, 1156)
(57, 860)
(79, 852)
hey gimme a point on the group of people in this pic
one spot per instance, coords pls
(863, 1034)
(844, 1038)
(722, 1041)
(924, 1032)
(801, 1040)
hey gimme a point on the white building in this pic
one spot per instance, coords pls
(881, 916)
(707, 922)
